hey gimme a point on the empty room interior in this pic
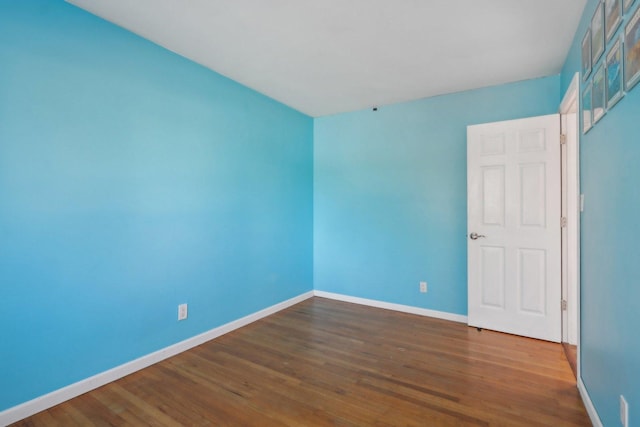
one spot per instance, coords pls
(319, 213)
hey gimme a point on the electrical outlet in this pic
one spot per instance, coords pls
(182, 311)
(423, 287)
(624, 412)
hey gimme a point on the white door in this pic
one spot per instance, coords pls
(513, 196)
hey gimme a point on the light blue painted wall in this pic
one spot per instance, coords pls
(390, 193)
(610, 267)
(132, 180)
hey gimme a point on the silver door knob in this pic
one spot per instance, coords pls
(476, 236)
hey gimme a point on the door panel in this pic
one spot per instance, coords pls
(531, 276)
(532, 195)
(493, 195)
(513, 171)
(492, 277)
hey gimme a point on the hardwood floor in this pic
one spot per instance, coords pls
(571, 352)
(323, 362)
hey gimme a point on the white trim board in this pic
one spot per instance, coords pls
(571, 95)
(570, 116)
(588, 404)
(395, 307)
(56, 397)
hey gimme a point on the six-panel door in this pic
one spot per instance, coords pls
(513, 195)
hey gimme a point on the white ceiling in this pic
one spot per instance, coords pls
(330, 56)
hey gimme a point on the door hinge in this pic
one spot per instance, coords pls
(563, 139)
(564, 305)
(563, 222)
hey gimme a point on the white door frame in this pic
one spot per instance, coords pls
(571, 193)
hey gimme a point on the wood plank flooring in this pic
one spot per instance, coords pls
(571, 352)
(329, 363)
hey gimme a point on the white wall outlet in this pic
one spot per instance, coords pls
(624, 412)
(182, 311)
(582, 203)
(423, 287)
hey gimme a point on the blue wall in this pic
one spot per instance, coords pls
(610, 267)
(390, 205)
(132, 180)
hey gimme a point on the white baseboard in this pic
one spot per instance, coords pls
(56, 397)
(588, 404)
(391, 306)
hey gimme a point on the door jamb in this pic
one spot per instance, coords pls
(571, 104)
